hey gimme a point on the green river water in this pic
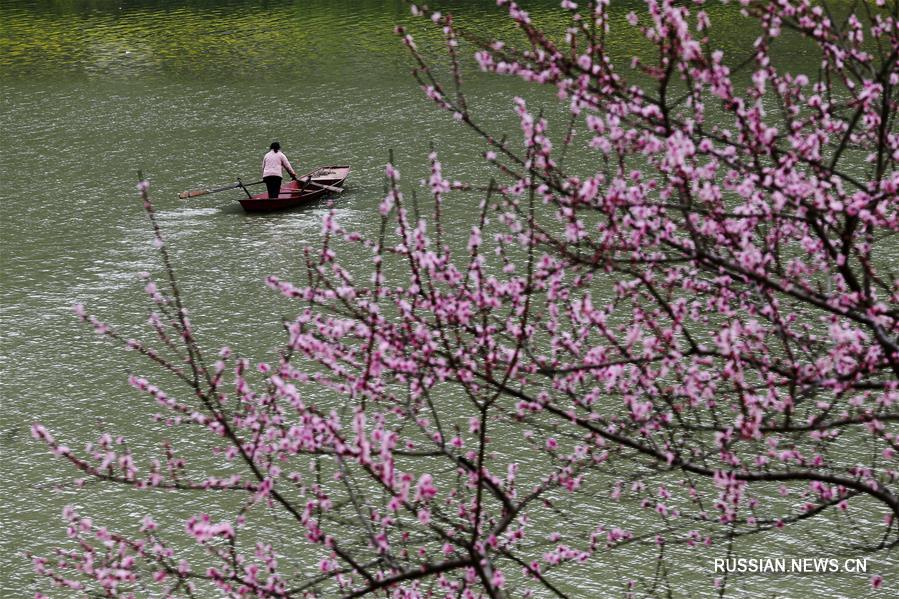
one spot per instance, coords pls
(191, 92)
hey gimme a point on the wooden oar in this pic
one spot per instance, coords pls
(328, 187)
(306, 179)
(201, 192)
(320, 185)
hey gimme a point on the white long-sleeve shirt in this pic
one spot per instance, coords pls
(273, 162)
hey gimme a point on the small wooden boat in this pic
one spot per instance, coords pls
(305, 189)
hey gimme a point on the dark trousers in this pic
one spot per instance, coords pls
(274, 185)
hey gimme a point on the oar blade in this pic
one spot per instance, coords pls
(201, 192)
(193, 194)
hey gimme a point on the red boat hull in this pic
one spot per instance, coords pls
(297, 193)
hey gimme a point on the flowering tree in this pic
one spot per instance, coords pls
(703, 331)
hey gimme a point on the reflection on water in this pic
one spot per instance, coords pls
(272, 40)
(326, 40)
(191, 92)
(189, 39)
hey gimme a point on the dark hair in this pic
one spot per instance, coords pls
(275, 146)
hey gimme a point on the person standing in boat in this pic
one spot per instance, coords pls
(272, 164)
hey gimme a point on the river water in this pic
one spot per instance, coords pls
(191, 93)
